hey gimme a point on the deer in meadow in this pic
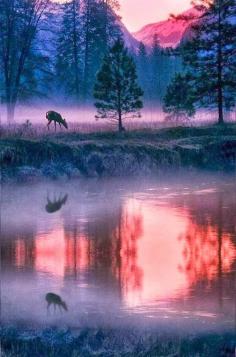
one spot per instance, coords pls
(56, 205)
(55, 300)
(57, 118)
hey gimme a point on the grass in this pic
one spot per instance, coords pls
(105, 342)
(28, 130)
(109, 153)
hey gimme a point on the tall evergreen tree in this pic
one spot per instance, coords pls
(88, 18)
(179, 99)
(100, 31)
(210, 56)
(116, 90)
(156, 67)
(143, 68)
(109, 29)
(69, 49)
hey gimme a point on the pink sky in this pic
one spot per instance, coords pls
(137, 13)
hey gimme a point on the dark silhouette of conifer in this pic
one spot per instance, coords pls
(179, 99)
(116, 90)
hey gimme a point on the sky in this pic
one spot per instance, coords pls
(137, 13)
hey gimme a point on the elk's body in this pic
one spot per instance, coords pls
(55, 300)
(56, 118)
(54, 206)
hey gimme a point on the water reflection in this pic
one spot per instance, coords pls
(55, 301)
(56, 204)
(145, 251)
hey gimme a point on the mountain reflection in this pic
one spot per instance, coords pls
(139, 250)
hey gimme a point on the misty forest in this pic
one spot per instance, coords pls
(117, 179)
(52, 52)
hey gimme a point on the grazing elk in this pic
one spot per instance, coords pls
(56, 205)
(55, 300)
(57, 118)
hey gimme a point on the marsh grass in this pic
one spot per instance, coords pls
(106, 342)
(29, 130)
(34, 152)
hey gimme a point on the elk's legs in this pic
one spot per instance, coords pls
(49, 124)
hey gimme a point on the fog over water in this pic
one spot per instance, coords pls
(160, 253)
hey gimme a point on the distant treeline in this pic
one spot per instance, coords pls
(50, 50)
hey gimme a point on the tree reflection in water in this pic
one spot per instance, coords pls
(105, 240)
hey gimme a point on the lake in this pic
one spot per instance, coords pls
(159, 252)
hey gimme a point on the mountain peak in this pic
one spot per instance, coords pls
(169, 32)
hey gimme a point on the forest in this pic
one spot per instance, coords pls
(118, 231)
(51, 51)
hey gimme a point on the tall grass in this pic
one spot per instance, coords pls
(29, 130)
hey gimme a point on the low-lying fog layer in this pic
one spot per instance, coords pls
(35, 113)
(117, 252)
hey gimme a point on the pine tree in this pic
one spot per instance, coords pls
(179, 99)
(156, 67)
(109, 29)
(100, 30)
(143, 69)
(69, 49)
(89, 28)
(116, 90)
(210, 56)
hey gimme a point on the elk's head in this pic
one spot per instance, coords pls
(63, 304)
(64, 123)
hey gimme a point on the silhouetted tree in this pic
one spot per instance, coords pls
(100, 30)
(116, 89)
(69, 51)
(143, 67)
(19, 21)
(209, 56)
(179, 98)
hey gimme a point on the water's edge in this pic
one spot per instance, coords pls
(74, 155)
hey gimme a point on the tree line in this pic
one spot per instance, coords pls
(75, 49)
(50, 50)
(208, 78)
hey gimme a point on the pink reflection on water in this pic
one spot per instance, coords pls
(50, 252)
(158, 252)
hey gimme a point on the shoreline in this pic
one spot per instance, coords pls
(110, 154)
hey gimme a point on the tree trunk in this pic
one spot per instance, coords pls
(75, 50)
(86, 51)
(120, 127)
(220, 107)
(10, 112)
(219, 69)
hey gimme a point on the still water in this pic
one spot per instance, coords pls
(159, 253)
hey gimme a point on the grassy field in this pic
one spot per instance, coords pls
(112, 343)
(29, 153)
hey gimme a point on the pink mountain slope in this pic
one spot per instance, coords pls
(169, 32)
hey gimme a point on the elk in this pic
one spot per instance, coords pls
(56, 205)
(55, 300)
(57, 118)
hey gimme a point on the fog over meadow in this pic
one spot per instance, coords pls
(85, 114)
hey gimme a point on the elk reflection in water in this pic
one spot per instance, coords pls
(56, 204)
(55, 300)
(112, 252)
